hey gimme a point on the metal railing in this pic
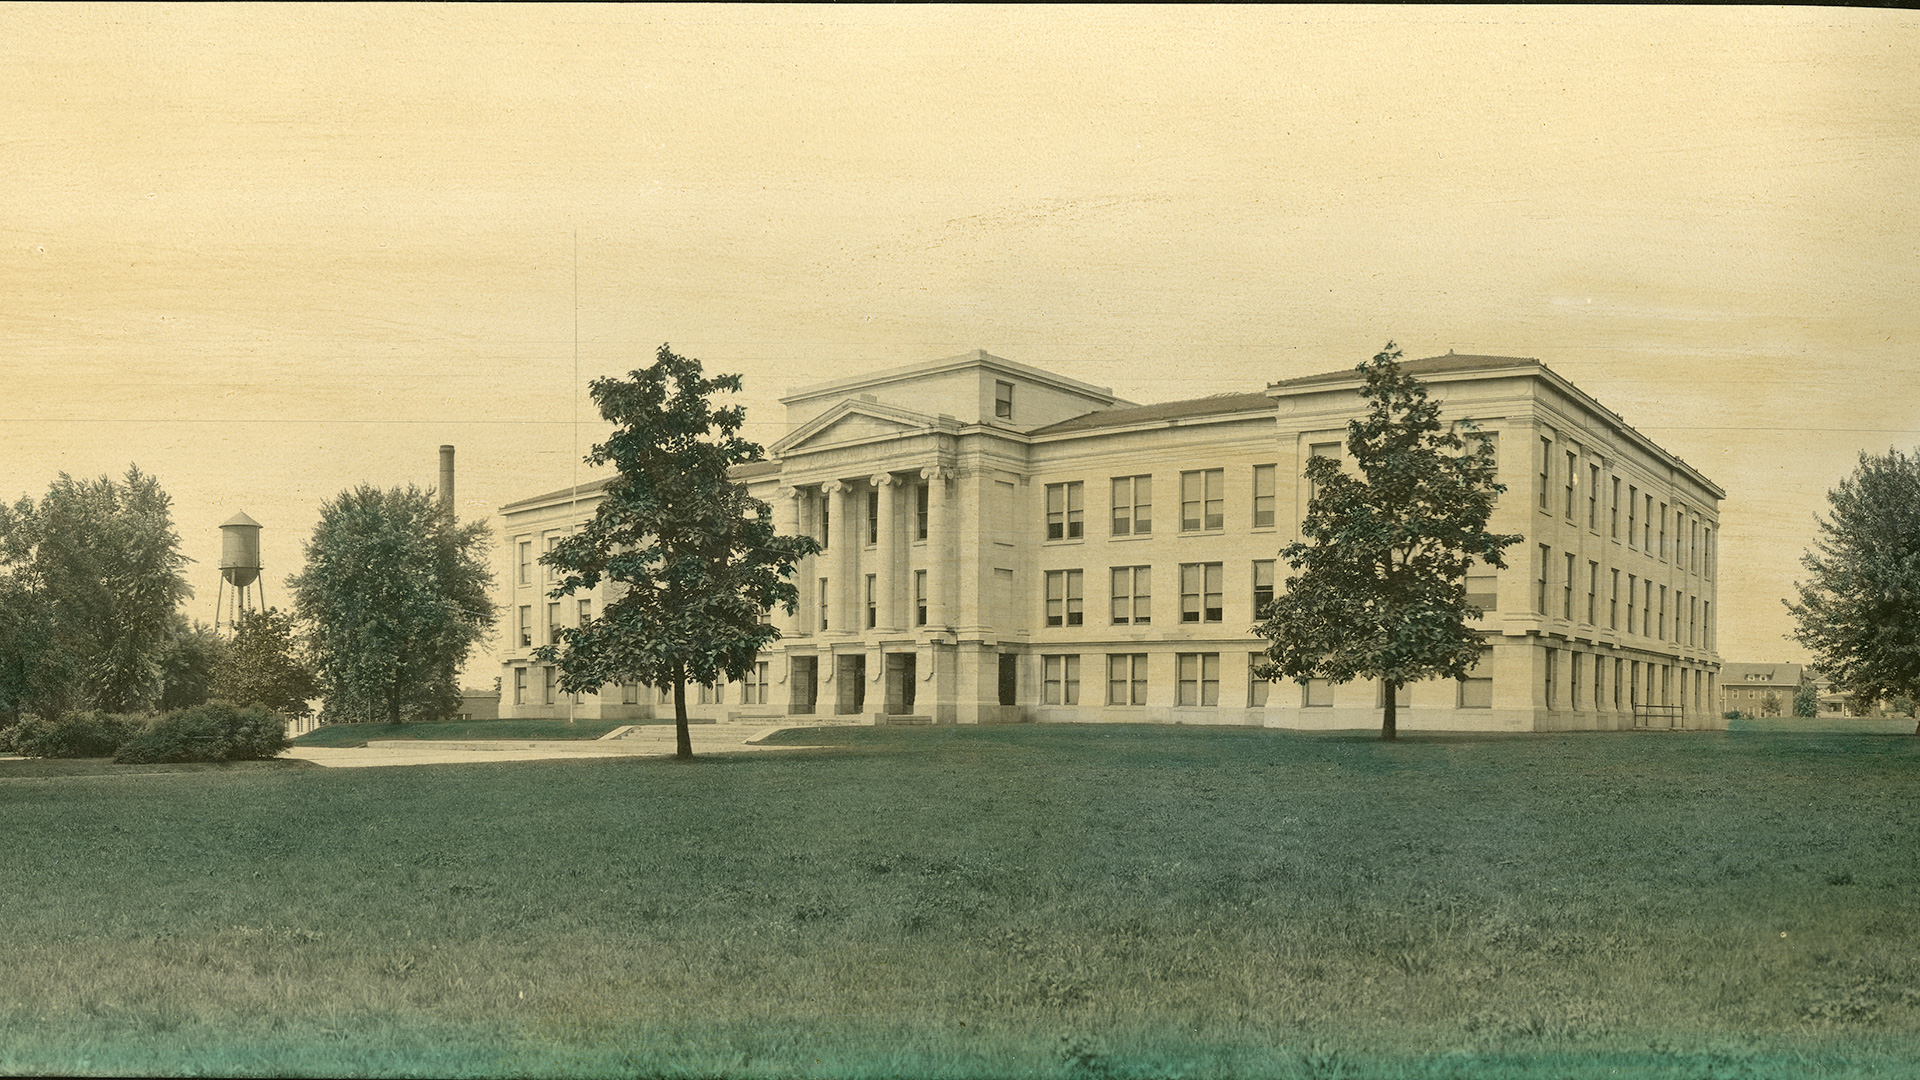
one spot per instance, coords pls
(1660, 717)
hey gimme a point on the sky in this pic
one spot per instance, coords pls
(270, 253)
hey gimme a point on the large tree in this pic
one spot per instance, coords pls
(394, 594)
(263, 667)
(187, 667)
(89, 580)
(1380, 591)
(694, 557)
(1859, 609)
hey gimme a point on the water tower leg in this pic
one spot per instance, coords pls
(217, 590)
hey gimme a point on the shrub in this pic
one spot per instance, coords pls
(76, 735)
(212, 732)
(1731, 714)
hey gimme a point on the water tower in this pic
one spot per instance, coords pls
(240, 568)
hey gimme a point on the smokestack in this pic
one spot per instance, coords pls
(446, 477)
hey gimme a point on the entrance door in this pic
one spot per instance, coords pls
(1009, 678)
(806, 686)
(850, 676)
(900, 680)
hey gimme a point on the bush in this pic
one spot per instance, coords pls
(212, 732)
(1732, 714)
(77, 735)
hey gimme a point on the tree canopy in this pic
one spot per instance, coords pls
(262, 667)
(1380, 590)
(1858, 612)
(89, 581)
(393, 595)
(693, 557)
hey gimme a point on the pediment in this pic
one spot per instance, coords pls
(855, 422)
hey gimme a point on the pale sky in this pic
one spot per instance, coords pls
(271, 253)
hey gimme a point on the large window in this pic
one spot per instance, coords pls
(1593, 590)
(919, 598)
(826, 520)
(1572, 477)
(1663, 613)
(1613, 602)
(1541, 570)
(1316, 694)
(1126, 678)
(1133, 595)
(549, 570)
(1573, 679)
(1633, 513)
(873, 516)
(1633, 594)
(1060, 680)
(526, 626)
(1201, 592)
(1665, 554)
(920, 510)
(1132, 505)
(1003, 400)
(1203, 500)
(873, 601)
(1331, 451)
(1065, 598)
(1198, 678)
(1546, 473)
(519, 686)
(526, 562)
(1646, 526)
(553, 623)
(586, 613)
(547, 685)
(754, 690)
(1552, 656)
(1262, 586)
(1476, 693)
(1593, 497)
(1064, 511)
(1613, 527)
(823, 603)
(1263, 496)
(1566, 599)
(1483, 591)
(1257, 687)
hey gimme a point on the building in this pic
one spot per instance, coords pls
(1005, 544)
(1746, 687)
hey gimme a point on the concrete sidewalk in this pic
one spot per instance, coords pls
(651, 740)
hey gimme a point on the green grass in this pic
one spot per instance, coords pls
(1086, 902)
(462, 730)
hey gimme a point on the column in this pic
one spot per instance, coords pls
(849, 613)
(786, 522)
(940, 551)
(887, 553)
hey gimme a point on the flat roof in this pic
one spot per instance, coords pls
(1217, 404)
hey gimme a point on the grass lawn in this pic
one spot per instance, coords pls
(1086, 902)
(463, 730)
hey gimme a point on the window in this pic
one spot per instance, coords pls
(1263, 496)
(1198, 678)
(630, 693)
(1064, 519)
(1329, 450)
(547, 685)
(873, 516)
(553, 623)
(920, 503)
(1573, 679)
(919, 598)
(1003, 400)
(754, 690)
(1613, 526)
(1316, 694)
(1571, 477)
(1566, 598)
(1613, 602)
(1593, 589)
(1262, 586)
(709, 694)
(1619, 676)
(549, 571)
(1693, 620)
(586, 613)
(1202, 500)
(1593, 497)
(1663, 613)
(826, 519)
(1483, 591)
(1633, 586)
(1540, 582)
(1646, 527)
(1132, 505)
(1126, 678)
(1706, 537)
(823, 603)
(1402, 696)
(1706, 624)
(1546, 472)
(526, 626)
(1060, 680)
(1693, 546)
(1132, 595)
(1476, 693)
(1200, 592)
(1664, 554)
(1065, 598)
(1257, 687)
(526, 562)
(1552, 655)
(1646, 611)
(519, 686)
(1633, 512)
(873, 604)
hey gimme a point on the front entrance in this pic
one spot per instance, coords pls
(850, 677)
(1009, 678)
(806, 686)
(900, 680)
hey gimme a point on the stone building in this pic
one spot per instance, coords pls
(1004, 544)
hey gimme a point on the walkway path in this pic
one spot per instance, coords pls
(649, 740)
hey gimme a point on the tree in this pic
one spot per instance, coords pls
(261, 667)
(1381, 589)
(1859, 610)
(394, 594)
(1806, 700)
(89, 580)
(695, 558)
(187, 667)
(1770, 704)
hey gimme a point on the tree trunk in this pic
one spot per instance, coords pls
(1389, 720)
(682, 742)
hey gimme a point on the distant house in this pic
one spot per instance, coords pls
(479, 704)
(1745, 687)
